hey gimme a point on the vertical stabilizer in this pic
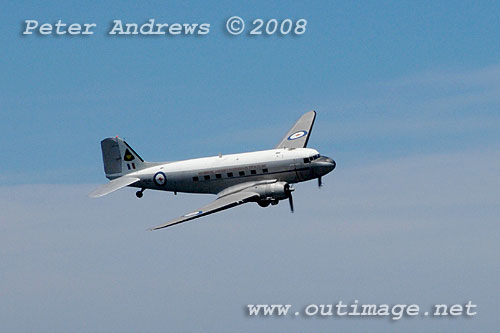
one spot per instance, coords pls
(119, 158)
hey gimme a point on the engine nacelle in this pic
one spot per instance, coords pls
(273, 192)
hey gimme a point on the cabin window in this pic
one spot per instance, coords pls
(133, 165)
(265, 170)
(128, 166)
(207, 177)
(218, 176)
(253, 172)
(229, 174)
(195, 179)
(242, 173)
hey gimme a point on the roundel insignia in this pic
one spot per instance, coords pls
(193, 213)
(160, 179)
(297, 135)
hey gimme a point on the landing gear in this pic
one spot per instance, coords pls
(264, 203)
(139, 194)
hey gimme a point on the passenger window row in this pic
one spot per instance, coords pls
(229, 175)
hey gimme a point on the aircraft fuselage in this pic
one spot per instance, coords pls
(216, 173)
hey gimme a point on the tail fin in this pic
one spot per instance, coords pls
(119, 158)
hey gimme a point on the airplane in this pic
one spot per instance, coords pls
(264, 177)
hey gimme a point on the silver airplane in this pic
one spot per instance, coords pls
(263, 176)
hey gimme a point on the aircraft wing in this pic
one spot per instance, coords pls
(298, 135)
(221, 203)
(112, 186)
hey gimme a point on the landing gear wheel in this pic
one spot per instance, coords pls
(138, 194)
(263, 203)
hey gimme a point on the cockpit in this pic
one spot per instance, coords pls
(312, 158)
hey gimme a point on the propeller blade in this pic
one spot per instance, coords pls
(290, 200)
(320, 182)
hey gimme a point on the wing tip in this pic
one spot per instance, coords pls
(163, 226)
(94, 195)
(155, 228)
(314, 113)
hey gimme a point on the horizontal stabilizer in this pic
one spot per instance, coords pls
(112, 186)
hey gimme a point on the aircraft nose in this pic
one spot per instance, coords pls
(324, 165)
(331, 163)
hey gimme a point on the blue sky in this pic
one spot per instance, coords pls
(408, 100)
(175, 98)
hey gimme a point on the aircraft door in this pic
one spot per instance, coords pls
(302, 169)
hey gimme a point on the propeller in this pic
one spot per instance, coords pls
(320, 182)
(288, 191)
(290, 200)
